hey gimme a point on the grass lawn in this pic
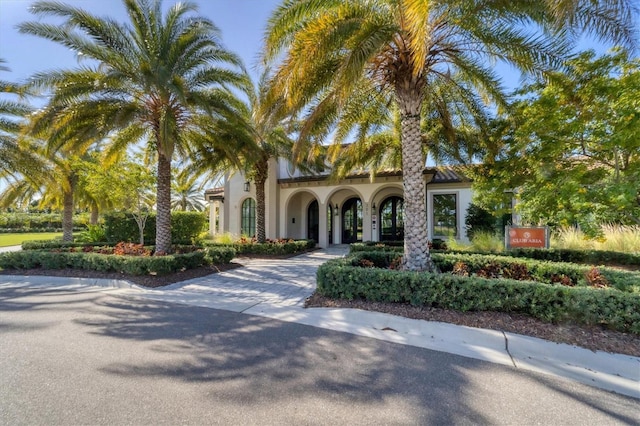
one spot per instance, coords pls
(17, 239)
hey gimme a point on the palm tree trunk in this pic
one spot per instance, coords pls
(95, 213)
(416, 241)
(163, 205)
(67, 210)
(261, 172)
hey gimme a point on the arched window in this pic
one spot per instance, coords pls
(392, 219)
(248, 218)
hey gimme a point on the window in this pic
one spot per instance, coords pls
(248, 218)
(445, 215)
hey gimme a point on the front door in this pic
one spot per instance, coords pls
(313, 221)
(352, 221)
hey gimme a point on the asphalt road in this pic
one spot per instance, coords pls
(87, 357)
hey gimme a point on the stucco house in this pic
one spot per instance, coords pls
(355, 208)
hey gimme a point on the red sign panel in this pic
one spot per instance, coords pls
(527, 237)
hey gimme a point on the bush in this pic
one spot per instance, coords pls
(540, 271)
(612, 308)
(479, 219)
(38, 222)
(271, 247)
(57, 244)
(134, 265)
(594, 257)
(185, 227)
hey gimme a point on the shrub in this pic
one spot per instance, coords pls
(271, 247)
(493, 266)
(487, 242)
(185, 227)
(477, 220)
(93, 234)
(612, 308)
(19, 222)
(134, 265)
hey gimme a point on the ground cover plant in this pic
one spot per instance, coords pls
(127, 258)
(551, 291)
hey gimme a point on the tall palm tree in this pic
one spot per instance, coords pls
(154, 78)
(406, 46)
(13, 111)
(56, 183)
(271, 140)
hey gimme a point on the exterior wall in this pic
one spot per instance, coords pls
(287, 204)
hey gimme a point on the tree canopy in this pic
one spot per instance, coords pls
(571, 150)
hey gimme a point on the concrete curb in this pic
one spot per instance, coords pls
(613, 372)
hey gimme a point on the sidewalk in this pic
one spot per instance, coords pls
(277, 289)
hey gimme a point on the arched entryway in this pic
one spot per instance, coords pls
(313, 221)
(391, 215)
(351, 221)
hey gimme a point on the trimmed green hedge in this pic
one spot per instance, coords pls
(277, 248)
(553, 303)
(185, 227)
(55, 244)
(593, 257)
(134, 265)
(38, 222)
(519, 269)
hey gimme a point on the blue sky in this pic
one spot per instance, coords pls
(242, 23)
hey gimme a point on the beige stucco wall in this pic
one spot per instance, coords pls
(287, 204)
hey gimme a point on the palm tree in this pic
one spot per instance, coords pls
(187, 193)
(55, 183)
(13, 110)
(271, 140)
(407, 46)
(155, 78)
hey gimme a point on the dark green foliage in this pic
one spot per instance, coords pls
(275, 248)
(38, 222)
(185, 227)
(592, 257)
(554, 303)
(134, 265)
(220, 255)
(540, 271)
(479, 219)
(56, 244)
(122, 226)
(371, 246)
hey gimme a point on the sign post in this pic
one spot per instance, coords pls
(526, 237)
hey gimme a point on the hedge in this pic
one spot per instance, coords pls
(593, 257)
(276, 247)
(38, 222)
(552, 303)
(519, 269)
(185, 227)
(56, 244)
(134, 265)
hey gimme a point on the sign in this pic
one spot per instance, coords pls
(529, 237)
